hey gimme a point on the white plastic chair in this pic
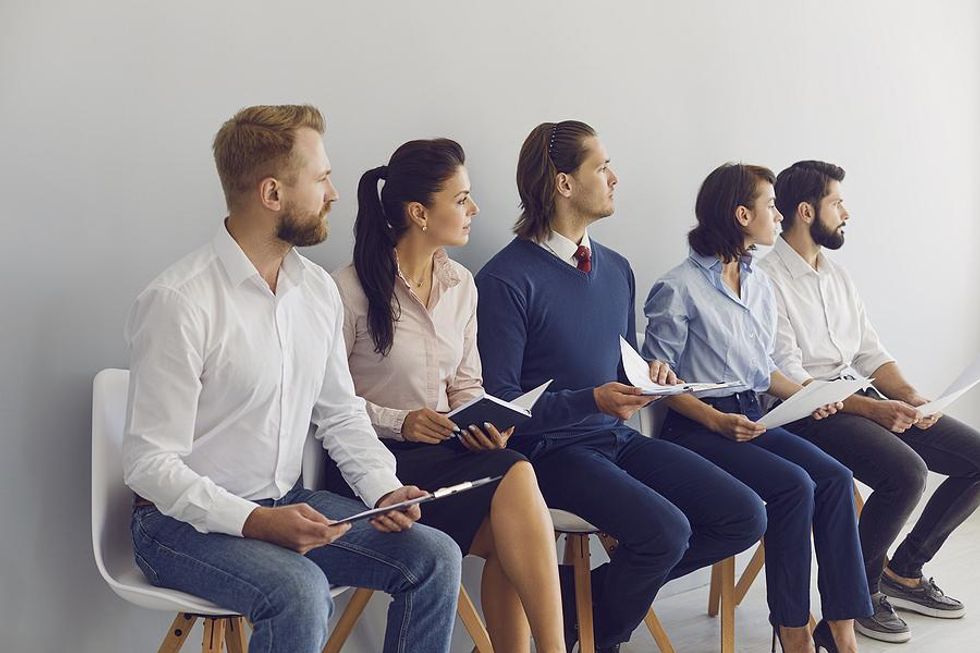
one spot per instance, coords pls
(112, 543)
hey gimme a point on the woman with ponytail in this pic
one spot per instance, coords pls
(410, 328)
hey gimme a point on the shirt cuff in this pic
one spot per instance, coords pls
(867, 366)
(389, 423)
(228, 514)
(372, 488)
(796, 374)
(584, 402)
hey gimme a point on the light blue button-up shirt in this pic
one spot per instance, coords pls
(707, 333)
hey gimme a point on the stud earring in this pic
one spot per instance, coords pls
(425, 228)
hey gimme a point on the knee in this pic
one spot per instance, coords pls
(304, 601)
(839, 477)
(435, 558)
(519, 472)
(665, 537)
(797, 489)
(911, 478)
(753, 522)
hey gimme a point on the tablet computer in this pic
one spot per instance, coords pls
(441, 493)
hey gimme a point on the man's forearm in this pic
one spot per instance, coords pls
(889, 381)
(858, 404)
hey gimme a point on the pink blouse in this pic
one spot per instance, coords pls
(433, 361)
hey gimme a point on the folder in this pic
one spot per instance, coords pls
(813, 395)
(638, 372)
(502, 414)
(963, 383)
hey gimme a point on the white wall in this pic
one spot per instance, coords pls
(107, 111)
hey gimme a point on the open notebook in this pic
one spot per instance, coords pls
(638, 372)
(502, 414)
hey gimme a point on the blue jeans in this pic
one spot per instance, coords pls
(804, 489)
(286, 595)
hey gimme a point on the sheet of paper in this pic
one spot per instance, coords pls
(638, 372)
(964, 382)
(528, 399)
(814, 395)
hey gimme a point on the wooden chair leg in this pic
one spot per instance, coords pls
(657, 631)
(751, 571)
(472, 622)
(235, 640)
(214, 635)
(858, 500)
(348, 620)
(177, 635)
(726, 599)
(579, 549)
(714, 590)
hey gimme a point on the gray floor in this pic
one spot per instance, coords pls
(956, 569)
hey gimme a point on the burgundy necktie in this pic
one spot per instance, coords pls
(584, 257)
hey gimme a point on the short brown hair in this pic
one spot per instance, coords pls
(257, 142)
(550, 148)
(729, 186)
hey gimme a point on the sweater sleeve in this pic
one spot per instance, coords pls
(503, 338)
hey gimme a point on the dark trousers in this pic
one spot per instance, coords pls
(805, 490)
(895, 466)
(671, 511)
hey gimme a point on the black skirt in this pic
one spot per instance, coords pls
(432, 466)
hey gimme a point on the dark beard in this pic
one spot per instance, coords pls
(302, 233)
(829, 238)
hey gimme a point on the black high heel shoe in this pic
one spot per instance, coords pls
(823, 638)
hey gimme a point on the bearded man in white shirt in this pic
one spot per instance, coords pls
(237, 350)
(824, 332)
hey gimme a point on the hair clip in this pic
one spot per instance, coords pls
(551, 141)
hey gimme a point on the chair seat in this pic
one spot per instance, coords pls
(131, 585)
(567, 522)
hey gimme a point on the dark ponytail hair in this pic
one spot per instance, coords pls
(550, 148)
(729, 186)
(417, 171)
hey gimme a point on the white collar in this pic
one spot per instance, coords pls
(563, 247)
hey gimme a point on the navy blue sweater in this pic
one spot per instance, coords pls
(539, 319)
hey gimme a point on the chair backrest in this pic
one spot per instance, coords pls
(314, 463)
(111, 500)
(652, 417)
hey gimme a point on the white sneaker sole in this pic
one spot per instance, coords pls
(912, 606)
(893, 638)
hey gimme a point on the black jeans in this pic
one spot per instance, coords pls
(895, 466)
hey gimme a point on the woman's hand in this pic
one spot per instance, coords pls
(487, 439)
(737, 427)
(828, 410)
(661, 374)
(427, 426)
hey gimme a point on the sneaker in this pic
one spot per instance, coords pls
(884, 625)
(925, 599)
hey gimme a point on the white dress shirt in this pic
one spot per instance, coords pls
(226, 379)
(564, 248)
(823, 330)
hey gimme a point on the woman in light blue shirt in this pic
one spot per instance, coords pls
(713, 318)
